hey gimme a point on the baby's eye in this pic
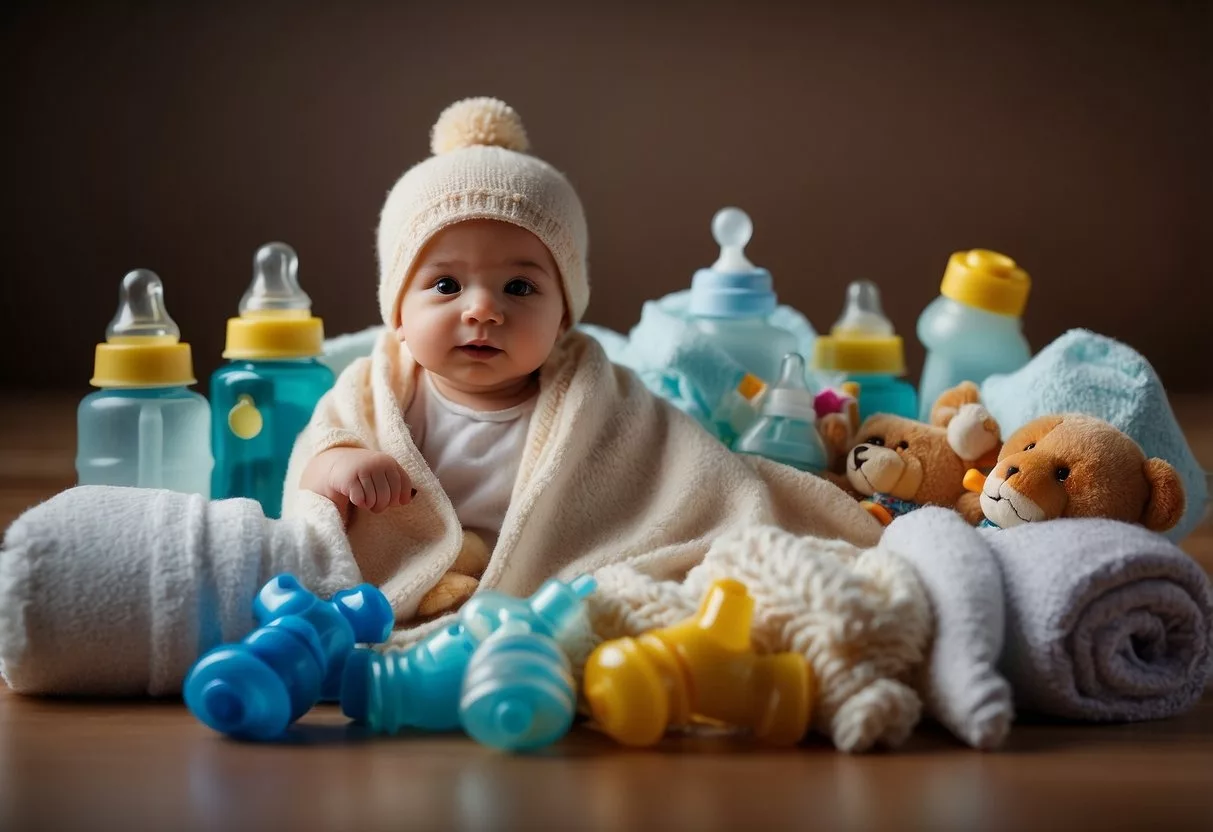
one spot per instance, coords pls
(903, 444)
(520, 287)
(447, 286)
(874, 440)
(1061, 473)
(1030, 446)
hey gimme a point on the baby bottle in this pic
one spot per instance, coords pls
(973, 329)
(143, 427)
(786, 429)
(263, 397)
(864, 349)
(732, 300)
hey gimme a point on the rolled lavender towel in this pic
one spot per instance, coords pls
(117, 591)
(1106, 621)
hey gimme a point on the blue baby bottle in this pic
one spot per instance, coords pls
(973, 329)
(786, 429)
(263, 397)
(732, 301)
(144, 427)
(863, 348)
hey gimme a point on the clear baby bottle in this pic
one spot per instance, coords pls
(732, 301)
(864, 349)
(786, 429)
(143, 427)
(265, 394)
(973, 329)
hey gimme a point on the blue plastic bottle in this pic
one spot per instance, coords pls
(518, 692)
(144, 427)
(732, 301)
(422, 687)
(786, 429)
(256, 688)
(263, 397)
(863, 348)
(973, 329)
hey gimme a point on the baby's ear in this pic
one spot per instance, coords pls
(1166, 503)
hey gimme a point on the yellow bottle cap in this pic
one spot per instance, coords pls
(862, 341)
(142, 343)
(275, 313)
(987, 280)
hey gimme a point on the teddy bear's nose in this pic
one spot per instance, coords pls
(1012, 470)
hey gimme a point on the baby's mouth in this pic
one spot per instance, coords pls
(479, 350)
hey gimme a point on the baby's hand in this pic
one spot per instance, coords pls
(358, 477)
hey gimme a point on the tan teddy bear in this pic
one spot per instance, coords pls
(1071, 465)
(901, 464)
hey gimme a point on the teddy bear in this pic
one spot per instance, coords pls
(1073, 465)
(898, 464)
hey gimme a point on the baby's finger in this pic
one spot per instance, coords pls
(356, 495)
(368, 486)
(383, 491)
(393, 483)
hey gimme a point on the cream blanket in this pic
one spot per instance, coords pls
(610, 473)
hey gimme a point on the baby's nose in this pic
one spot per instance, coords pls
(482, 309)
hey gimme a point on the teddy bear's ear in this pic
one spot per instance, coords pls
(950, 401)
(1166, 504)
(973, 433)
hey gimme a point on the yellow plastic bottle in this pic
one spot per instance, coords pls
(703, 667)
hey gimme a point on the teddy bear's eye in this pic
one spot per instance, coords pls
(903, 444)
(874, 440)
(1061, 473)
(1030, 446)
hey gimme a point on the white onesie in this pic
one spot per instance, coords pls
(474, 453)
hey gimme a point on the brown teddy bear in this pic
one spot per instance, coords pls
(1071, 465)
(901, 464)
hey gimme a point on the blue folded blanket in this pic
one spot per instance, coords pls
(1084, 372)
(678, 362)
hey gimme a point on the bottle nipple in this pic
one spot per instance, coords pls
(275, 290)
(791, 373)
(863, 317)
(732, 229)
(142, 317)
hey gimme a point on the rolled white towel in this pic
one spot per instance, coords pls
(116, 591)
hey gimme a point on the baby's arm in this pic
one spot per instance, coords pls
(357, 477)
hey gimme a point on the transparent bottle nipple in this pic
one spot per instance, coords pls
(791, 374)
(141, 314)
(863, 315)
(275, 290)
(732, 229)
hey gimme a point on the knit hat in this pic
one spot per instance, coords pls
(480, 170)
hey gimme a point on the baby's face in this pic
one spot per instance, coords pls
(482, 307)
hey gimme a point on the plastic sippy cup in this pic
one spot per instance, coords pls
(143, 427)
(731, 301)
(863, 347)
(973, 329)
(263, 397)
(786, 430)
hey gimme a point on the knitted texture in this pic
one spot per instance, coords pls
(479, 170)
(858, 616)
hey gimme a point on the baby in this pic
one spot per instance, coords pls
(484, 422)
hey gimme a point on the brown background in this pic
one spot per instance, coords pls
(867, 140)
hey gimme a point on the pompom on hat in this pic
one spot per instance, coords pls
(481, 170)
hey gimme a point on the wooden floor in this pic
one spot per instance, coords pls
(150, 765)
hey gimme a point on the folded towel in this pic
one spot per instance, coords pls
(116, 591)
(1105, 620)
(1083, 372)
(959, 682)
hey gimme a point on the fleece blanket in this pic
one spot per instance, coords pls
(610, 473)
